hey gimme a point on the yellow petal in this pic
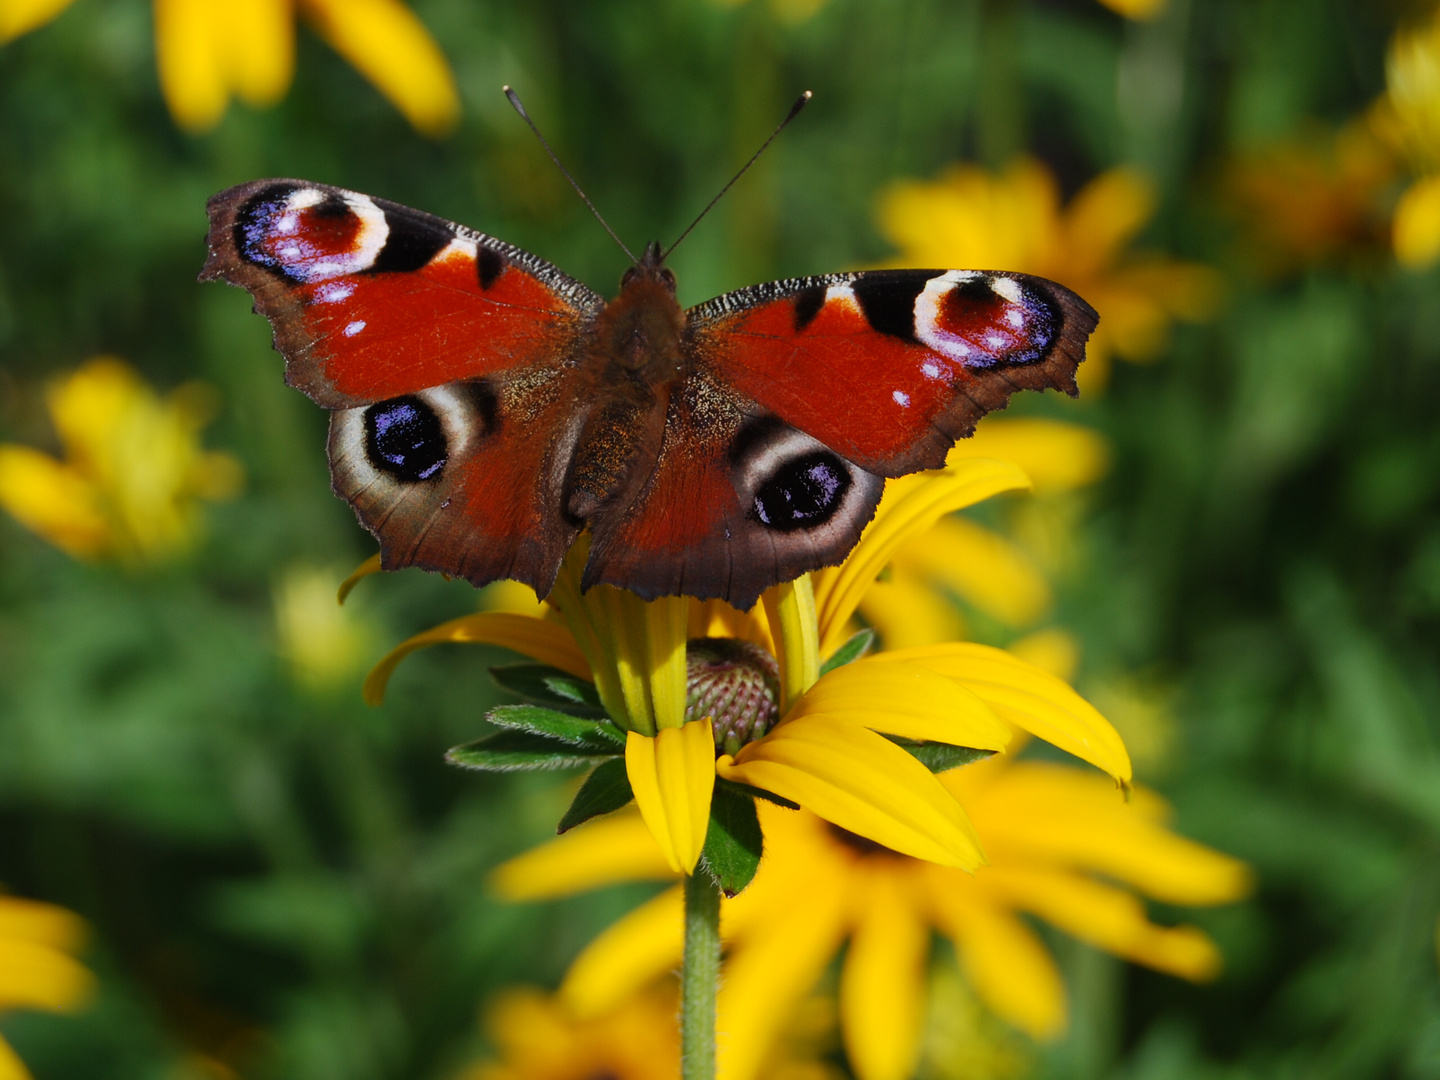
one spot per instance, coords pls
(1053, 650)
(11, 1067)
(361, 572)
(258, 40)
(861, 782)
(601, 852)
(906, 700)
(1417, 224)
(981, 567)
(20, 17)
(513, 596)
(1003, 958)
(192, 76)
(40, 923)
(790, 607)
(882, 987)
(1108, 918)
(906, 611)
(673, 777)
(626, 955)
(1038, 812)
(768, 975)
(36, 976)
(539, 639)
(1136, 9)
(1106, 214)
(910, 506)
(1032, 699)
(666, 624)
(392, 48)
(1056, 456)
(53, 500)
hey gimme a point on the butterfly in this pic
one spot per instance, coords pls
(486, 408)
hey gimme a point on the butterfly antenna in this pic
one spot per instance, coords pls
(800, 103)
(520, 108)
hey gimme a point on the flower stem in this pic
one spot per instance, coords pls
(700, 976)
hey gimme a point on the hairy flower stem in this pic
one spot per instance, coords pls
(700, 976)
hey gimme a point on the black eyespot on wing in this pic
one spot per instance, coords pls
(490, 263)
(803, 492)
(404, 438)
(888, 301)
(253, 224)
(412, 241)
(808, 303)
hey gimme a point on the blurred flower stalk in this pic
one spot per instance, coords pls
(133, 472)
(208, 52)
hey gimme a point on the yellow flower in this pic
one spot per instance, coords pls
(972, 218)
(1314, 198)
(36, 968)
(825, 745)
(1061, 845)
(133, 467)
(536, 1037)
(1409, 117)
(207, 52)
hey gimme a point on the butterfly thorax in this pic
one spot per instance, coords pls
(635, 358)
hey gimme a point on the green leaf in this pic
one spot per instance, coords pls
(940, 757)
(733, 843)
(605, 790)
(549, 686)
(858, 645)
(512, 751)
(737, 788)
(573, 730)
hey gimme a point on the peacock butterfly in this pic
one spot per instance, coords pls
(485, 407)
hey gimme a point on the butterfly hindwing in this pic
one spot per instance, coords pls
(888, 368)
(446, 356)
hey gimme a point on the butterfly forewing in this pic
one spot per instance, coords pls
(889, 367)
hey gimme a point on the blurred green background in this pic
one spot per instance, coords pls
(286, 883)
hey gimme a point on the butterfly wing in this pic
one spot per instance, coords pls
(446, 356)
(803, 395)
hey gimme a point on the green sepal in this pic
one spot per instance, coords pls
(737, 788)
(940, 757)
(516, 750)
(733, 842)
(605, 790)
(581, 731)
(857, 646)
(549, 686)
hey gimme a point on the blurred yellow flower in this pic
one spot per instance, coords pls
(324, 642)
(536, 1037)
(37, 970)
(1409, 116)
(1062, 846)
(821, 741)
(975, 219)
(133, 470)
(1314, 198)
(206, 52)
(987, 570)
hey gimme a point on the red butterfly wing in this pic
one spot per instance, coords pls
(804, 394)
(889, 367)
(431, 342)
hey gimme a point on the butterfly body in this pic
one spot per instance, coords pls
(486, 408)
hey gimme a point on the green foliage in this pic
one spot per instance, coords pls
(733, 843)
(604, 791)
(939, 757)
(294, 885)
